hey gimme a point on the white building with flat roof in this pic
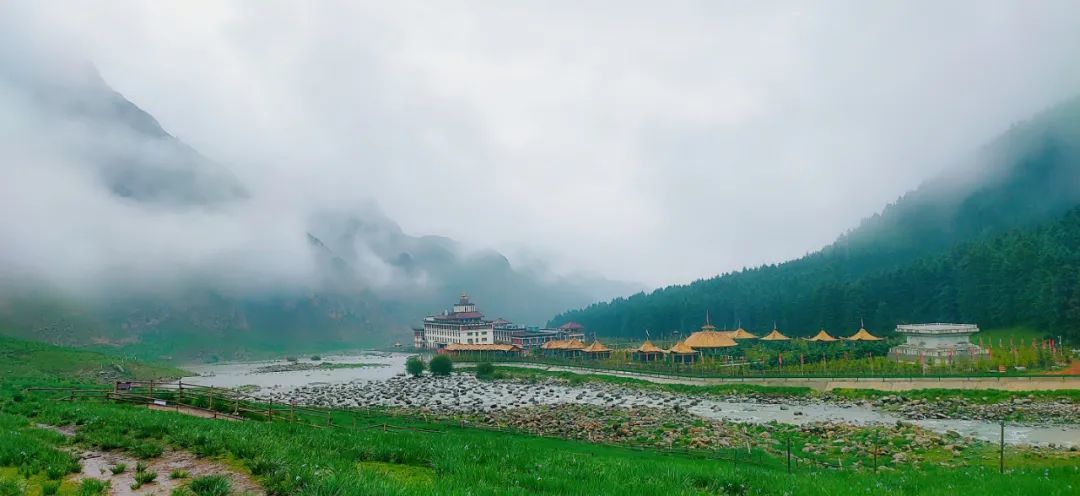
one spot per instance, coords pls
(937, 343)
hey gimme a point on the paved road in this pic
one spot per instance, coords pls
(1025, 383)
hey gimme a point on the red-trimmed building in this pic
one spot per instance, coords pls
(462, 325)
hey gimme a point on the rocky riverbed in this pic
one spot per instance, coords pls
(832, 443)
(463, 394)
(1017, 408)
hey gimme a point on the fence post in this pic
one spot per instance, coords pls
(151, 390)
(210, 403)
(789, 454)
(179, 390)
(1001, 449)
(735, 457)
(292, 410)
(270, 410)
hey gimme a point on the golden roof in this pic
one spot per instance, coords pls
(681, 348)
(822, 336)
(648, 347)
(775, 336)
(481, 347)
(741, 333)
(596, 347)
(552, 345)
(574, 344)
(710, 339)
(863, 335)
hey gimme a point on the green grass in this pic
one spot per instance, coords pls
(178, 474)
(1016, 333)
(211, 485)
(295, 459)
(32, 360)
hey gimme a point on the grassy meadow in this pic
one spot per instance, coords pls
(391, 454)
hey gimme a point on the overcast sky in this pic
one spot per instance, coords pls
(656, 142)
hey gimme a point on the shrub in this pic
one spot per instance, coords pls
(92, 487)
(11, 487)
(414, 366)
(140, 467)
(118, 469)
(485, 370)
(315, 358)
(441, 365)
(143, 478)
(178, 474)
(211, 485)
(49, 488)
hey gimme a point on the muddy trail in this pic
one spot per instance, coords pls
(97, 464)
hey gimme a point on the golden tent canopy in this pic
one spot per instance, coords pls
(863, 335)
(596, 347)
(741, 333)
(648, 347)
(709, 339)
(823, 337)
(775, 336)
(683, 353)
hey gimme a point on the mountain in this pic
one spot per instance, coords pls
(129, 151)
(988, 243)
(348, 277)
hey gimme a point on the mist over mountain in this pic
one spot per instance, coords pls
(987, 242)
(117, 232)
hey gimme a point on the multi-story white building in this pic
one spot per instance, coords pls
(462, 325)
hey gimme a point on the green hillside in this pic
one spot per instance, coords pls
(995, 244)
(31, 360)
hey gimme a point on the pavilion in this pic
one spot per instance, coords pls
(708, 340)
(822, 337)
(775, 336)
(683, 353)
(648, 352)
(569, 348)
(863, 335)
(596, 350)
(740, 333)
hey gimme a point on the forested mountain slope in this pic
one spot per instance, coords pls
(984, 244)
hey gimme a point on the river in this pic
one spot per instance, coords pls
(380, 383)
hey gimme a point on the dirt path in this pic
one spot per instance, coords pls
(1025, 383)
(97, 464)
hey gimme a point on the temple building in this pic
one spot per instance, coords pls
(937, 343)
(463, 324)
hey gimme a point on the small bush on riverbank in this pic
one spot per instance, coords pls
(415, 366)
(441, 365)
(485, 370)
